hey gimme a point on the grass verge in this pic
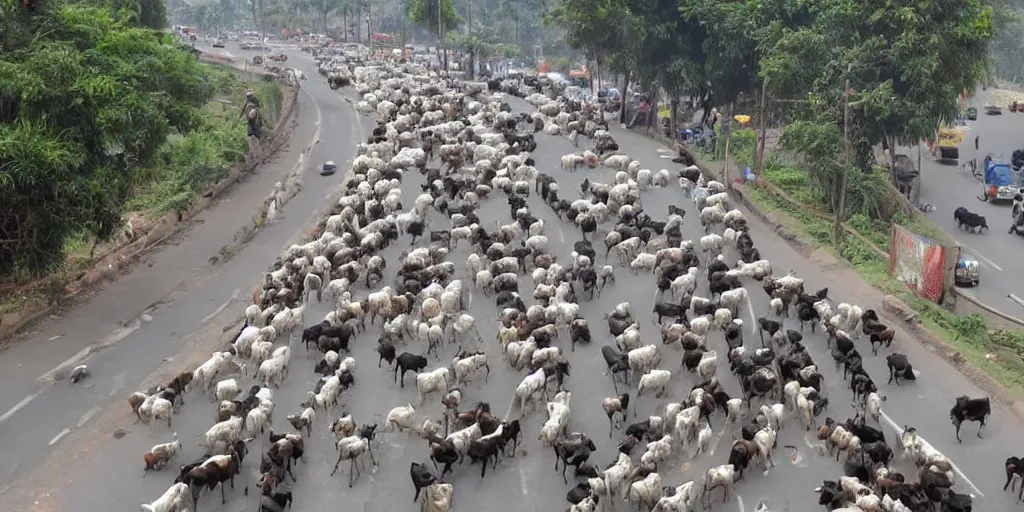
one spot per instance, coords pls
(1000, 353)
(185, 166)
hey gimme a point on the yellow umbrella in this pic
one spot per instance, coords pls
(743, 120)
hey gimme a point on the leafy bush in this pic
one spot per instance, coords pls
(85, 102)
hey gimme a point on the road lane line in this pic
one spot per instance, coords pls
(982, 258)
(88, 416)
(899, 431)
(20, 405)
(59, 436)
(1018, 300)
(753, 319)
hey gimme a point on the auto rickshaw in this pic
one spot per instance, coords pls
(1002, 183)
(968, 271)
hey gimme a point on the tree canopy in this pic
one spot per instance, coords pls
(86, 101)
(906, 62)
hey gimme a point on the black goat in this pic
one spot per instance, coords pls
(899, 366)
(408, 362)
(970, 409)
(421, 477)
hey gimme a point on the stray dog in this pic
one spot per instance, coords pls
(972, 222)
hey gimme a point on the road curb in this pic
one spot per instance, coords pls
(173, 222)
(897, 310)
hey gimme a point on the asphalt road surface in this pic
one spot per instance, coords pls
(526, 482)
(143, 318)
(948, 186)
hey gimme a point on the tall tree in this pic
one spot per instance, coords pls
(437, 17)
(85, 102)
(907, 64)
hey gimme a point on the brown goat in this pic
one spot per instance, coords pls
(135, 401)
(216, 470)
(179, 384)
(286, 449)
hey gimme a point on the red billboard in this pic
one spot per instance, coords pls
(917, 262)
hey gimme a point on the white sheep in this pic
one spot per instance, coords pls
(630, 338)
(704, 438)
(616, 477)
(227, 390)
(401, 418)
(246, 338)
(463, 439)
(841, 439)
(874, 406)
(723, 476)
(701, 324)
(712, 244)
(558, 418)
(686, 424)
(646, 492)
(463, 367)
(681, 501)
(643, 262)
(655, 380)
(661, 178)
(531, 386)
(657, 452)
(723, 317)
(225, 432)
(346, 426)
(643, 359)
(176, 498)
(710, 216)
(708, 365)
(734, 299)
(772, 416)
(156, 408)
(430, 382)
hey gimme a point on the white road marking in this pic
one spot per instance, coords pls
(20, 405)
(982, 258)
(1018, 300)
(739, 501)
(59, 436)
(87, 416)
(753, 319)
(899, 431)
(118, 383)
(234, 295)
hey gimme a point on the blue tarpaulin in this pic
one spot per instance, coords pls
(998, 174)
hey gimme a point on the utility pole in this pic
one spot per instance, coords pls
(263, 19)
(442, 55)
(762, 131)
(841, 208)
(469, 37)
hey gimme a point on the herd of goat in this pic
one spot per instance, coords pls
(485, 150)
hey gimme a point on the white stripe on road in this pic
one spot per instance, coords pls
(899, 432)
(59, 436)
(982, 258)
(753, 319)
(20, 405)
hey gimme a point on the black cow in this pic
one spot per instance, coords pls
(972, 222)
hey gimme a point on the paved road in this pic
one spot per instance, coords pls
(146, 315)
(948, 187)
(526, 482)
